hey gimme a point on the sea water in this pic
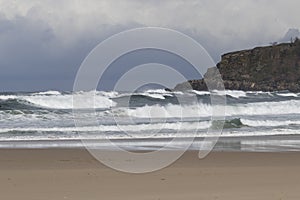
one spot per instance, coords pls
(148, 120)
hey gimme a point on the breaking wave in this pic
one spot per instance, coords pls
(205, 110)
(56, 100)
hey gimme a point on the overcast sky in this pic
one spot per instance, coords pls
(43, 42)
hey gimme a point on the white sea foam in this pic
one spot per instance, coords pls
(112, 94)
(53, 100)
(154, 96)
(66, 101)
(50, 92)
(7, 97)
(287, 94)
(48, 135)
(205, 110)
(269, 123)
(178, 126)
(233, 93)
(200, 92)
(169, 111)
(158, 91)
(157, 94)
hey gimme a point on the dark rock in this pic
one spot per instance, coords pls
(271, 68)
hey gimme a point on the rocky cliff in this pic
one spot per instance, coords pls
(271, 68)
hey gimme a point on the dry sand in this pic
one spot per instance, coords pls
(74, 174)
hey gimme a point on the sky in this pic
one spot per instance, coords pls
(43, 43)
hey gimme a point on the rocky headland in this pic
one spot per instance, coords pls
(270, 68)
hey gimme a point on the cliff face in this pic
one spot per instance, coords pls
(271, 68)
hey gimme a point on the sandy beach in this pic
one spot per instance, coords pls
(74, 174)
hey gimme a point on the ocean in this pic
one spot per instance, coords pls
(148, 120)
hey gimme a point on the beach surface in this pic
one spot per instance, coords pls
(42, 174)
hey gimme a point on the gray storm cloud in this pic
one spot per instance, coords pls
(42, 43)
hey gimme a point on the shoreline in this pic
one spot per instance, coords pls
(74, 174)
(273, 143)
